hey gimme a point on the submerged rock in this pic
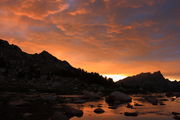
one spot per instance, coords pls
(72, 111)
(118, 97)
(59, 116)
(137, 104)
(177, 117)
(161, 103)
(99, 111)
(175, 113)
(91, 95)
(151, 99)
(172, 94)
(112, 107)
(131, 114)
(130, 106)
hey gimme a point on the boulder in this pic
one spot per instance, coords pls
(162, 103)
(172, 94)
(59, 116)
(71, 112)
(99, 111)
(175, 113)
(151, 99)
(91, 95)
(118, 97)
(177, 117)
(137, 104)
(131, 114)
(129, 106)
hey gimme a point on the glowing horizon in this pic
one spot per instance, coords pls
(115, 77)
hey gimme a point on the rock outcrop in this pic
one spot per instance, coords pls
(118, 98)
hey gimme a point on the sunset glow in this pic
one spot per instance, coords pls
(104, 36)
(114, 76)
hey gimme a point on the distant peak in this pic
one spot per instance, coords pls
(44, 52)
(6, 44)
(158, 72)
(47, 55)
(3, 42)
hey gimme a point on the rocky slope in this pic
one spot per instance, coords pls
(20, 71)
(152, 82)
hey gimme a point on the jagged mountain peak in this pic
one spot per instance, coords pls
(45, 52)
(3, 42)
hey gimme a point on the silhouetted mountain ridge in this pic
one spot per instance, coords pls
(154, 82)
(43, 71)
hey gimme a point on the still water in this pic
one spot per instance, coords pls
(145, 112)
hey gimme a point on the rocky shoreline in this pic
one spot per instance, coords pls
(48, 106)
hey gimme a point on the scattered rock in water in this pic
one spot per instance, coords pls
(91, 95)
(99, 111)
(131, 114)
(130, 106)
(118, 98)
(59, 116)
(99, 105)
(172, 94)
(112, 107)
(177, 117)
(164, 99)
(68, 100)
(151, 99)
(137, 104)
(173, 99)
(49, 98)
(79, 101)
(26, 115)
(175, 113)
(17, 102)
(71, 112)
(161, 103)
(92, 106)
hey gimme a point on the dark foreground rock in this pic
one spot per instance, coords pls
(177, 117)
(175, 113)
(172, 94)
(99, 111)
(137, 104)
(118, 98)
(152, 99)
(131, 114)
(59, 116)
(71, 112)
(35, 107)
(91, 95)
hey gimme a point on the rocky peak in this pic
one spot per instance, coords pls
(44, 52)
(48, 56)
(158, 74)
(3, 43)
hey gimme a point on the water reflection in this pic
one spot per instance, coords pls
(145, 112)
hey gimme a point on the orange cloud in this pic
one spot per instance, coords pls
(79, 12)
(106, 36)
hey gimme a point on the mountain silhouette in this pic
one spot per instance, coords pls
(20, 71)
(153, 82)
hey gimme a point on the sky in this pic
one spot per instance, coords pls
(123, 37)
